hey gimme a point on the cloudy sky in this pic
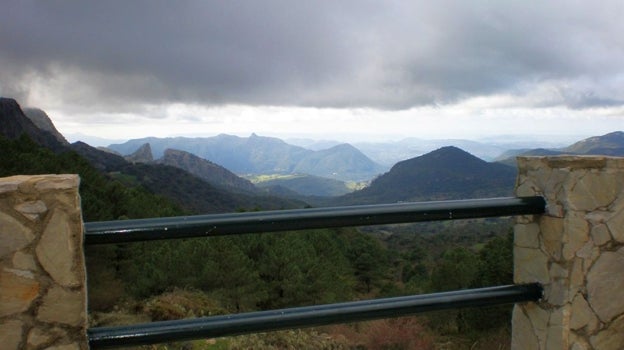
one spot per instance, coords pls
(324, 69)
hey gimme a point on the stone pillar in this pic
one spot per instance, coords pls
(42, 272)
(576, 251)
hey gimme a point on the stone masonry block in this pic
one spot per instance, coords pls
(32, 209)
(18, 291)
(11, 334)
(531, 266)
(581, 314)
(605, 285)
(594, 190)
(62, 306)
(600, 234)
(616, 225)
(558, 326)
(612, 338)
(527, 189)
(58, 249)
(526, 235)
(552, 230)
(576, 230)
(523, 336)
(13, 235)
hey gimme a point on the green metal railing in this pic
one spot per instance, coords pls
(109, 232)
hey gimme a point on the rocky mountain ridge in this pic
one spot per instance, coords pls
(265, 155)
(204, 169)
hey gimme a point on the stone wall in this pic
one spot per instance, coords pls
(42, 273)
(576, 250)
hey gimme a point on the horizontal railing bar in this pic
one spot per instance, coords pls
(121, 231)
(308, 316)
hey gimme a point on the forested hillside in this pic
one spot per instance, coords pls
(102, 197)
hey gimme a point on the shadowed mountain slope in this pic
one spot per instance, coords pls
(14, 123)
(104, 161)
(43, 122)
(206, 170)
(188, 191)
(447, 173)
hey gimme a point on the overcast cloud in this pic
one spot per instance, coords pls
(96, 58)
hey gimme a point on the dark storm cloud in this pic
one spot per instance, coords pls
(391, 54)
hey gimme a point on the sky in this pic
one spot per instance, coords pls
(351, 70)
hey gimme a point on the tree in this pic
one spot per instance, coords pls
(369, 261)
(227, 272)
(456, 270)
(495, 268)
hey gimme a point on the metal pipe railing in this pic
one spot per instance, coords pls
(298, 219)
(308, 316)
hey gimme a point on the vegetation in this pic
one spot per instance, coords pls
(197, 277)
(102, 197)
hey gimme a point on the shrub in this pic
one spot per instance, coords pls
(179, 304)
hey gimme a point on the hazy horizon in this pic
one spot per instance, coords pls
(303, 139)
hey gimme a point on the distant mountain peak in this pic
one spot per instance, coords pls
(345, 146)
(142, 155)
(446, 173)
(450, 150)
(448, 157)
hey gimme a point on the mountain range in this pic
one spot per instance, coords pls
(200, 185)
(388, 153)
(265, 155)
(190, 192)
